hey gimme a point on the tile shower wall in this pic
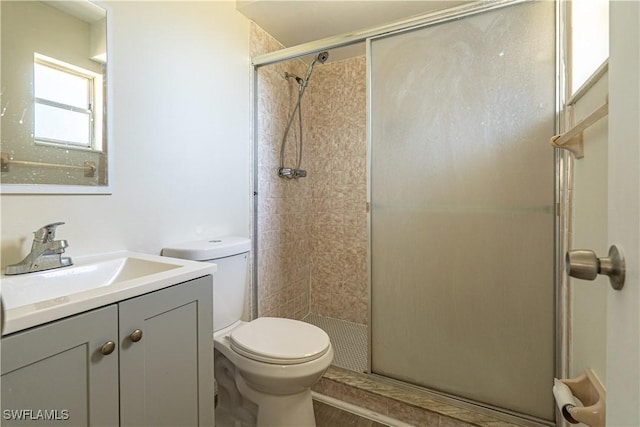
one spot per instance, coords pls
(284, 223)
(336, 159)
(312, 236)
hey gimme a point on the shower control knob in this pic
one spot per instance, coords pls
(584, 264)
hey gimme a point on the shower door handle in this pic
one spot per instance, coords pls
(584, 264)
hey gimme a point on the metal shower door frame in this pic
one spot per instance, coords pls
(563, 172)
(562, 159)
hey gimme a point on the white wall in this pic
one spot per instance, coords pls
(181, 133)
(589, 231)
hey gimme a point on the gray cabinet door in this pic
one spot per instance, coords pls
(166, 377)
(57, 374)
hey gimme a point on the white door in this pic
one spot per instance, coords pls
(623, 318)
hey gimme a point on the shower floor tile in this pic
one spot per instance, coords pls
(349, 341)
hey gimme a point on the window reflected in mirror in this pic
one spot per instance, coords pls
(65, 100)
(53, 72)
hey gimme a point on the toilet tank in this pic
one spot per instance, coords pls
(231, 255)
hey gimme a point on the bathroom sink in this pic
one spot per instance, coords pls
(32, 288)
(34, 298)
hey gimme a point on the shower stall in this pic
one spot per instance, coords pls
(424, 227)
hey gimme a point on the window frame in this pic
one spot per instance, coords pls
(590, 70)
(94, 110)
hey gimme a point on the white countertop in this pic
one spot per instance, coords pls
(36, 298)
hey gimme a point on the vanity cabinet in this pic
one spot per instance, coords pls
(58, 368)
(166, 375)
(145, 361)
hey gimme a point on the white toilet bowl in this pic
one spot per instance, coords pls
(264, 368)
(276, 362)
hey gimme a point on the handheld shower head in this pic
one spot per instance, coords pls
(296, 172)
(321, 58)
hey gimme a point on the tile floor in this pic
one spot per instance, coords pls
(349, 341)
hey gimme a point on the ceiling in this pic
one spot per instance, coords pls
(293, 22)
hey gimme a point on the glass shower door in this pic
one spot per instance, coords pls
(462, 207)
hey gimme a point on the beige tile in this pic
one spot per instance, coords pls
(357, 397)
(409, 404)
(328, 207)
(412, 414)
(451, 422)
(499, 424)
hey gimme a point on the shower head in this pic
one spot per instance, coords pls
(321, 58)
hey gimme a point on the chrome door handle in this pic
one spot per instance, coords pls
(584, 264)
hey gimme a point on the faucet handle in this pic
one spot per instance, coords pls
(47, 233)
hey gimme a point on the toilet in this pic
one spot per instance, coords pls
(264, 369)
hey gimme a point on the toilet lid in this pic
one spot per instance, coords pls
(279, 341)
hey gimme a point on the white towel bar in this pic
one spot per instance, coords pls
(572, 139)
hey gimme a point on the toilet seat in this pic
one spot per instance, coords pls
(279, 341)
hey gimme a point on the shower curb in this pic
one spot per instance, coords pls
(408, 404)
(358, 410)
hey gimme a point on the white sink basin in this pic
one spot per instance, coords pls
(33, 288)
(35, 298)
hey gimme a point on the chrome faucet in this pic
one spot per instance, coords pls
(46, 253)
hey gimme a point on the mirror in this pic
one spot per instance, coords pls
(53, 130)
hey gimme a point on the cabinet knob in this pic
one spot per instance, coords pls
(136, 335)
(107, 348)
